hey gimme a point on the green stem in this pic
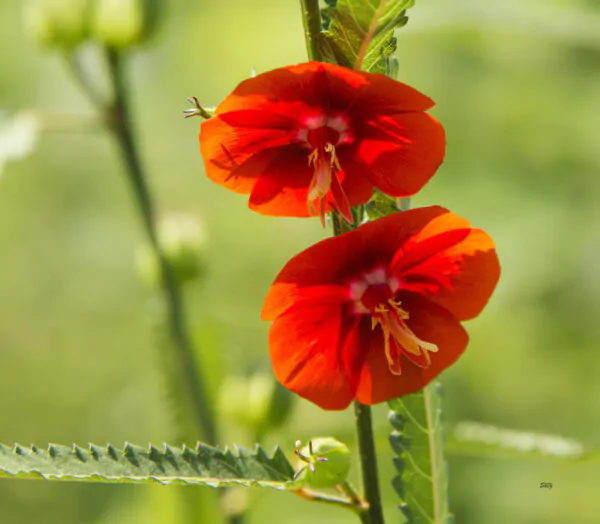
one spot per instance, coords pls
(368, 462)
(311, 19)
(316, 496)
(119, 122)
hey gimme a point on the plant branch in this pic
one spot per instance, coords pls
(118, 120)
(311, 19)
(368, 462)
(89, 88)
(332, 500)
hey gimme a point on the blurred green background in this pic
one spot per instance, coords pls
(517, 88)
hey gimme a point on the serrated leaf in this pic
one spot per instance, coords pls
(204, 465)
(418, 441)
(476, 439)
(360, 33)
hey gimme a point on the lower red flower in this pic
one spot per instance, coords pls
(376, 313)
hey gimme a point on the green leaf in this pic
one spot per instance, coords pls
(360, 33)
(417, 439)
(476, 439)
(203, 465)
(381, 205)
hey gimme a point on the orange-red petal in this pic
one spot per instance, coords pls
(309, 357)
(450, 264)
(335, 261)
(293, 89)
(429, 322)
(227, 149)
(400, 153)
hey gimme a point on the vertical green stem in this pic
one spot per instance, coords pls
(368, 462)
(119, 122)
(311, 19)
(364, 429)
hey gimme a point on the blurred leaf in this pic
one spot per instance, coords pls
(473, 438)
(360, 33)
(204, 465)
(18, 136)
(417, 439)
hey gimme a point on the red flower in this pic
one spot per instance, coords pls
(305, 139)
(375, 313)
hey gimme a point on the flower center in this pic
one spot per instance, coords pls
(374, 295)
(399, 339)
(322, 135)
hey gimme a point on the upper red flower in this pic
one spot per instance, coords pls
(375, 313)
(305, 139)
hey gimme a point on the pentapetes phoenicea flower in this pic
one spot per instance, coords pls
(376, 313)
(305, 139)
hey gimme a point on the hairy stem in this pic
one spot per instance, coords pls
(183, 353)
(368, 463)
(311, 19)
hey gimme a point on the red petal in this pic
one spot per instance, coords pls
(282, 189)
(299, 89)
(401, 153)
(430, 323)
(307, 349)
(258, 119)
(450, 264)
(283, 296)
(226, 150)
(355, 182)
(384, 95)
(336, 261)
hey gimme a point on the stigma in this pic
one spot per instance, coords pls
(323, 160)
(322, 135)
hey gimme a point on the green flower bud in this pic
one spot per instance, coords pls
(182, 241)
(259, 402)
(324, 462)
(124, 23)
(61, 24)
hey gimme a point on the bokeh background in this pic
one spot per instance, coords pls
(517, 88)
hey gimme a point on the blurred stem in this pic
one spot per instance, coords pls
(119, 122)
(368, 463)
(89, 88)
(311, 19)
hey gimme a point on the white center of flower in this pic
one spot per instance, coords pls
(374, 277)
(336, 125)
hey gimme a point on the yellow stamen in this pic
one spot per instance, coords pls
(321, 180)
(393, 325)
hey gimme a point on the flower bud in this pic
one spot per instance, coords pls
(181, 239)
(61, 24)
(324, 462)
(125, 23)
(258, 402)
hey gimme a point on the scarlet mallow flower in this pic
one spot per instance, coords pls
(376, 313)
(305, 139)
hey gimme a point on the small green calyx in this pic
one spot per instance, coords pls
(325, 463)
